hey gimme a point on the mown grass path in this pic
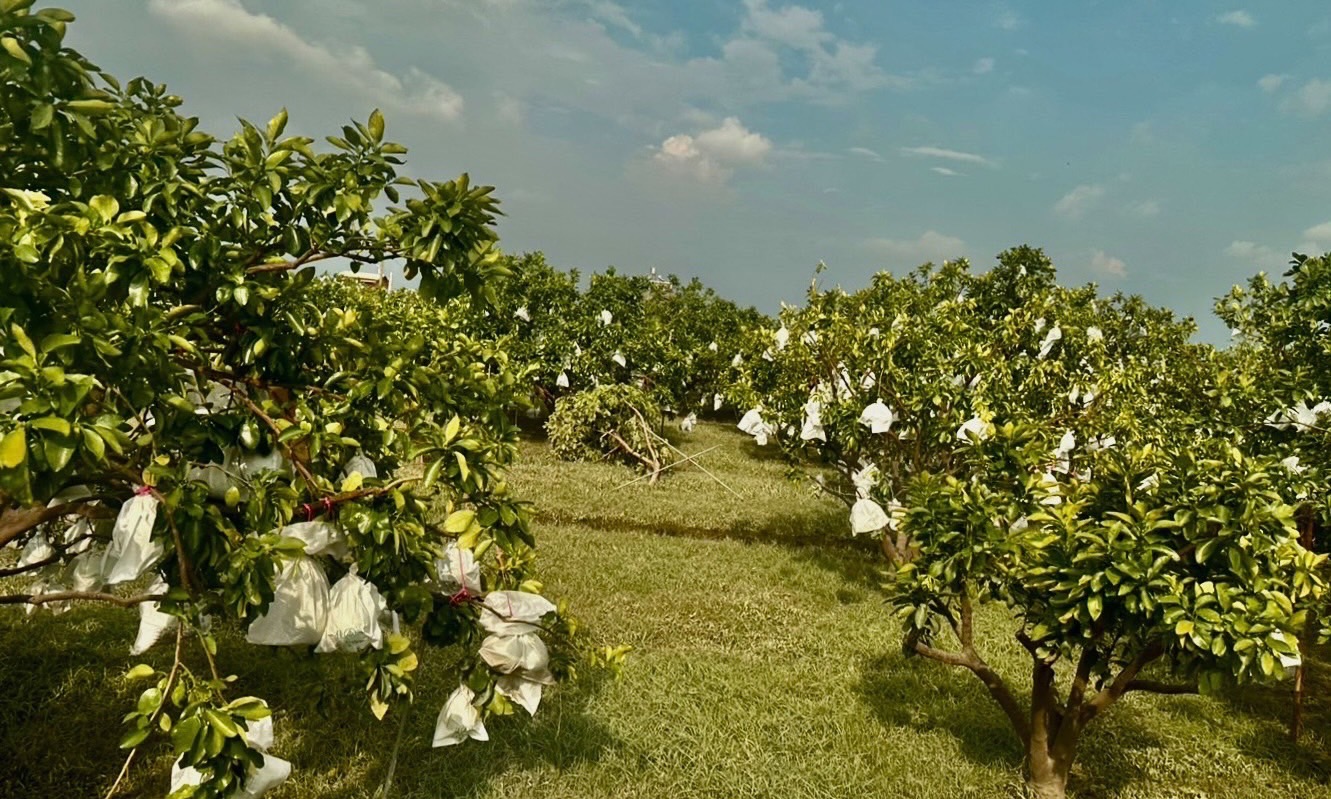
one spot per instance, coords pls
(766, 666)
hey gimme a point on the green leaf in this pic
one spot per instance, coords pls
(93, 443)
(276, 125)
(1184, 627)
(58, 451)
(23, 341)
(376, 126)
(139, 672)
(58, 341)
(52, 423)
(134, 737)
(182, 737)
(106, 206)
(55, 14)
(1095, 605)
(432, 474)
(13, 448)
(90, 107)
(458, 521)
(41, 117)
(15, 49)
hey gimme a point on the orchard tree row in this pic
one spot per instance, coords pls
(1130, 496)
(683, 345)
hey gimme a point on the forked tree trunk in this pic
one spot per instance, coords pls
(1053, 727)
(1048, 763)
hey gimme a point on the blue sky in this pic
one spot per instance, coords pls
(1169, 149)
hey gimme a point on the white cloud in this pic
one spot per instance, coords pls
(613, 14)
(1320, 234)
(1272, 82)
(1238, 18)
(1077, 202)
(942, 170)
(1103, 263)
(1145, 208)
(1007, 20)
(1311, 99)
(867, 153)
(949, 155)
(227, 22)
(1258, 255)
(930, 246)
(712, 155)
(795, 26)
(983, 66)
(834, 65)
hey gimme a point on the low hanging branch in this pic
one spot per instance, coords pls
(86, 596)
(14, 522)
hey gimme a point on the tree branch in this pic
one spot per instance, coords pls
(272, 427)
(1111, 693)
(34, 566)
(967, 632)
(992, 681)
(14, 522)
(161, 708)
(87, 596)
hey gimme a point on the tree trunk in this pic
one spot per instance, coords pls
(1048, 770)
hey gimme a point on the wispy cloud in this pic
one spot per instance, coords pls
(712, 155)
(929, 246)
(614, 15)
(983, 66)
(1258, 255)
(227, 22)
(942, 170)
(1270, 83)
(865, 152)
(1311, 99)
(1145, 208)
(1238, 18)
(1077, 202)
(946, 154)
(1319, 234)
(1007, 20)
(1103, 263)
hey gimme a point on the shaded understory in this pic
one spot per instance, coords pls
(766, 666)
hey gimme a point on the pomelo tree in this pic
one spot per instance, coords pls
(1065, 455)
(198, 429)
(677, 340)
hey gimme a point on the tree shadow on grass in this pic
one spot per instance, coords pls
(1274, 707)
(814, 536)
(63, 699)
(925, 696)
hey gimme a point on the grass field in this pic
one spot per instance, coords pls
(765, 665)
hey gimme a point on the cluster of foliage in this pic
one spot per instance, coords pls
(613, 422)
(190, 414)
(1281, 362)
(1069, 456)
(679, 341)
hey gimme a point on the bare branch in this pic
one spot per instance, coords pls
(85, 596)
(161, 708)
(14, 522)
(998, 689)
